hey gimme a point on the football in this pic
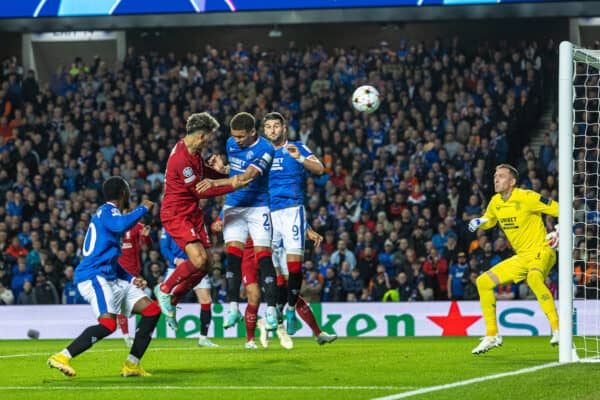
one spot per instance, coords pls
(365, 99)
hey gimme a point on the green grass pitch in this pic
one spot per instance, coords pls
(350, 368)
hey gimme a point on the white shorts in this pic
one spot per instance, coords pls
(110, 297)
(289, 229)
(241, 221)
(204, 283)
(280, 259)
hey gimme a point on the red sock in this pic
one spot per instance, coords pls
(250, 317)
(184, 287)
(280, 280)
(304, 311)
(181, 274)
(123, 323)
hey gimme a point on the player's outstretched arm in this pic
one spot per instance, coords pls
(540, 204)
(309, 161)
(117, 223)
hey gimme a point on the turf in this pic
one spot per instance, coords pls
(350, 368)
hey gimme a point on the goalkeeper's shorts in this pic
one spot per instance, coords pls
(516, 268)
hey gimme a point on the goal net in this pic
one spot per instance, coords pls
(579, 191)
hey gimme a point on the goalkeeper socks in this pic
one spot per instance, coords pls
(265, 262)
(234, 272)
(535, 280)
(487, 299)
(304, 311)
(91, 335)
(181, 274)
(250, 319)
(143, 332)
(205, 317)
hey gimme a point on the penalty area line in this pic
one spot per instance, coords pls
(466, 382)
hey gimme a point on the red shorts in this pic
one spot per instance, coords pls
(249, 265)
(188, 229)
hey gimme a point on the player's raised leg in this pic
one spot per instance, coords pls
(150, 314)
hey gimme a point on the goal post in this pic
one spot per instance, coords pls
(565, 190)
(579, 199)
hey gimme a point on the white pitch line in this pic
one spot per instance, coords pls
(162, 387)
(466, 382)
(124, 350)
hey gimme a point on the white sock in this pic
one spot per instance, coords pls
(233, 306)
(66, 352)
(271, 310)
(133, 359)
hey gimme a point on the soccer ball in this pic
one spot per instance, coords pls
(365, 99)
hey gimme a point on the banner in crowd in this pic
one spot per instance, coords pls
(515, 318)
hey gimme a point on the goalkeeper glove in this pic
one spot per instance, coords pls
(552, 238)
(476, 222)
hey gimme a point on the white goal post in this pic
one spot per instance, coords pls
(579, 198)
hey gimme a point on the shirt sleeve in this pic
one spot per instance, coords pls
(117, 223)
(490, 215)
(541, 205)
(304, 150)
(263, 162)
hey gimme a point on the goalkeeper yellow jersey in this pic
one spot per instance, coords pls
(520, 217)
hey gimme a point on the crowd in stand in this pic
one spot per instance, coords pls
(400, 186)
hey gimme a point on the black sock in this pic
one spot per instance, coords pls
(281, 300)
(268, 275)
(143, 335)
(88, 337)
(294, 283)
(205, 317)
(234, 276)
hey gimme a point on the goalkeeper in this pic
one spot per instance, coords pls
(518, 212)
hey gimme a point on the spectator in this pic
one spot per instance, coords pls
(19, 278)
(436, 268)
(342, 254)
(44, 291)
(379, 285)
(26, 295)
(457, 277)
(354, 287)
(70, 293)
(332, 287)
(404, 287)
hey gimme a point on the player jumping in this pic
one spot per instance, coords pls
(246, 212)
(180, 214)
(286, 184)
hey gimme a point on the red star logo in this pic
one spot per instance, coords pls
(454, 324)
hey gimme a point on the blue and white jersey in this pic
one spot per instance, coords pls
(286, 179)
(259, 156)
(169, 249)
(102, 244)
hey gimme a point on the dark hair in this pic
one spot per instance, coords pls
(114, 188)
(242, 121)
(274, 116)
(203, 122)
(513, 171)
